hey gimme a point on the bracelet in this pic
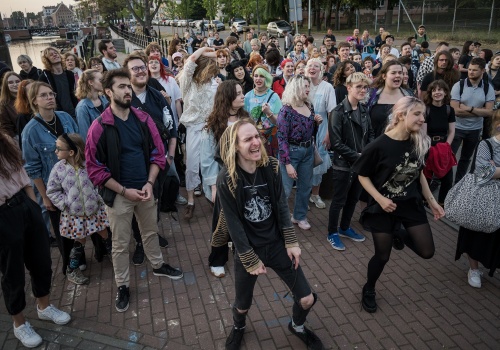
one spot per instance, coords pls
(151, 183)
(123, 191)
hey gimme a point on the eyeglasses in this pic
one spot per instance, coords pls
(362, 87)
(59, 149)
(15, 82)
(47, 95)
(139, 69)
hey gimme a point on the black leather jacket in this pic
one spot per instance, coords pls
(349, 134)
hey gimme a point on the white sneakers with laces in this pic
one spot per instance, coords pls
(27, 335)
(303, 224)
(316, 199)
(474, 277)
(53, 314)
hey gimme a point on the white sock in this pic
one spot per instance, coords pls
(190, 203)
(298, 329)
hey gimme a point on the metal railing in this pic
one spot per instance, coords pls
(142, 40)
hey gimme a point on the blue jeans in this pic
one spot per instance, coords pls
(469, 140)
(301, 159)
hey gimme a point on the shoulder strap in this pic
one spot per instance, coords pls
(270, 96)
(462, 83)
(486, 87)
(490, 147)
(38, 119)
(448, 110)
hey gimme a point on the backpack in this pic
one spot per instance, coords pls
(169, 196)
(486, 87)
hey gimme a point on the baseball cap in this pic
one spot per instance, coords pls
(175, 55)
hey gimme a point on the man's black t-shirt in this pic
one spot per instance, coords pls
(258, 212)
(429, 78)
(218, 42)
(133, 172)
(195, 44)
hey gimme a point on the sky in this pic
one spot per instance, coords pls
(8, 6)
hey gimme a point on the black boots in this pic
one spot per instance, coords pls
(368, 299)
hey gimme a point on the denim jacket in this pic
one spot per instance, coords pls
(86, 113)
(39, 146)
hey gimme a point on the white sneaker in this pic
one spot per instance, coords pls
(53, 314)
(474, 277)
(27, 335)
(303, 224)
(218, 271)
(316, 199)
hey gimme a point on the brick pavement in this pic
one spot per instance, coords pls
(422, 304)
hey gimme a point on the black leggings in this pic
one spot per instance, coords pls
(417, 238)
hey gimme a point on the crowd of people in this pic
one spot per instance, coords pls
(99, 149)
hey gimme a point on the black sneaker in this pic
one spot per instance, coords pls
(368, 299)
(308, 337)
(138, 257)
(168, 271)
(163, 241)
(233, 342)
(122, 299)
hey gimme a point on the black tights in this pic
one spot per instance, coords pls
(417, 238)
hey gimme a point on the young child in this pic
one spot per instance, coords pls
(82, 209)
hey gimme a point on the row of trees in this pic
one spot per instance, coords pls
(20, 20)
(324, 12)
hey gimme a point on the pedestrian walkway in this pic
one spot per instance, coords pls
(423, 304)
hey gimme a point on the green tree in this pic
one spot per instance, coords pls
(18, 18)
(144, 10)
(211, 7)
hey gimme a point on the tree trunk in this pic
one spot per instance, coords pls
(328, 14)
(337, 14)
(317, 14)
(388, 14)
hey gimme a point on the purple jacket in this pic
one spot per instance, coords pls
(102, 149)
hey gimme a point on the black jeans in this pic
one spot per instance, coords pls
(469, 140)
(346, 192)
(23, 241)
(273, 256)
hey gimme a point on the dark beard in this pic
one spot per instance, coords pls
(121, 104)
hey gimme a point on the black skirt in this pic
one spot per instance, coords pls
(480, 246)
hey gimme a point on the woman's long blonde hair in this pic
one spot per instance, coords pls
(229, 145)
(421, 142)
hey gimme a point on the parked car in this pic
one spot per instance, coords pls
(218, 25)
(155, 22)
(192, 24)
(277, 28)
(240, 26)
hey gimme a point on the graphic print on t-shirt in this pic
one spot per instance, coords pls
(257, 208)
(405, 173)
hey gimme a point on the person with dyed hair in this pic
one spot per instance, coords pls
(390, 170)
(263, 104)
(250, 191)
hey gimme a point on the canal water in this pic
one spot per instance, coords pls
(32, 48)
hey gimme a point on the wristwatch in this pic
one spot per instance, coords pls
(170, 157)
